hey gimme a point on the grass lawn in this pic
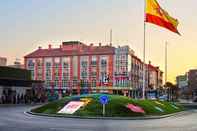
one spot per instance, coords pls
(115, 108)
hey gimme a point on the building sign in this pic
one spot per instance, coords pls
(71, 107)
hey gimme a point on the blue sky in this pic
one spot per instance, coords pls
(27, 24)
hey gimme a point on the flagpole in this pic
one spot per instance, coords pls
(110, 40)
(166, 66)
(144, 53)
(166, 61)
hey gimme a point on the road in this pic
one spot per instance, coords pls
(13, 118)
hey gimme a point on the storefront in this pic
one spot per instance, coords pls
(17, 87)
(21, 91)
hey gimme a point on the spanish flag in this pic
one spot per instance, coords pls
(158, 16)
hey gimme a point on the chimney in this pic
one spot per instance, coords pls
(49, 46)
(91, 44)
(99, 44)
(149, 62)
(60, 46)
(110, 44)
(39, 47)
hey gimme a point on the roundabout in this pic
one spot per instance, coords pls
(107, 106)
(13, 118)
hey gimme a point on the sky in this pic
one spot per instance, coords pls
(27, 24)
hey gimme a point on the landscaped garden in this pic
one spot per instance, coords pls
(117, 106)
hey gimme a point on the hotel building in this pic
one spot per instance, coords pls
(78, 68)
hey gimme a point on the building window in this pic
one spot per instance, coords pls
(83, 83)
(56, 72)
(93, 63)
(39, 69)
(48, 71)
(30, 64)
(56, 83)
(84, 74)
(30, 67)
(32, 74)
(103, 63)
(65, 71)
(84, 63)
(93, 83)
(84, 69)
(93, 74)
(65, 65)
(65, 83)
(75, 83)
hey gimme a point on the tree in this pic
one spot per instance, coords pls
(172, 91)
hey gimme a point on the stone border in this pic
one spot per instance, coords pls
(105, 118)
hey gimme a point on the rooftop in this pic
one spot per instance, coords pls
(72, 48)
(72, 43)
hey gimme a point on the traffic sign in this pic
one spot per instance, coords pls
(104, 99)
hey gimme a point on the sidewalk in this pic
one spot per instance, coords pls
(185, 101)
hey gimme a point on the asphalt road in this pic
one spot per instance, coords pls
(13, 118)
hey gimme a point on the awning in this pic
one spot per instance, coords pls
(18, 82)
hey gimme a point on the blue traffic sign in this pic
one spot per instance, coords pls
(104, 99)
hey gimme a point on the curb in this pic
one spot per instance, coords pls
(107, 118)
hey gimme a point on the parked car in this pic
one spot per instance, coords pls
(195, 99)
(163, 98)
(152, 98)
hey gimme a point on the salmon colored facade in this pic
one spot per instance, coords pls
(77, 68)
(81, 71)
